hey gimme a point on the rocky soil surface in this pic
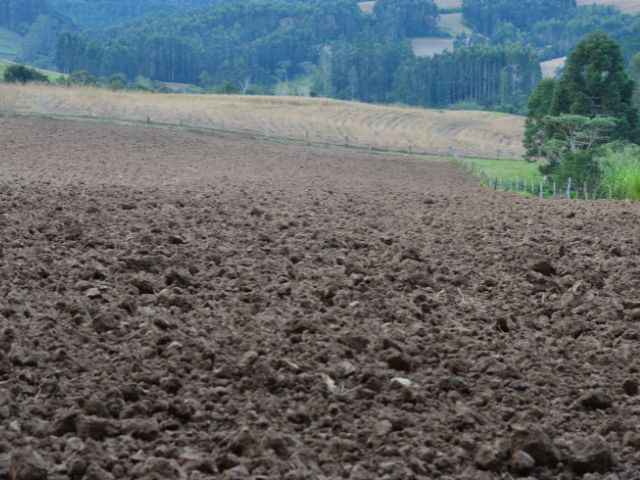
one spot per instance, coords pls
(175, 305)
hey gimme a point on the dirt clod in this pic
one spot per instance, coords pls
(592, 454)
(488, 457)
(26, 464)
(522, 463)
(596, 399)
(630, 387)
(535, 442)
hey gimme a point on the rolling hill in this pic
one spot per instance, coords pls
(625, 6)
(320, 120)
(10, 44)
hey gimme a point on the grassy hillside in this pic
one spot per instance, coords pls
(625, 6)
(10, 44)
(323, 120)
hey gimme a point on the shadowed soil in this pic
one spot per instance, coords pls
(176, 305)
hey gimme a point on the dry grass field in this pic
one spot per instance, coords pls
(551, 67)
(430, 46)
(625, 6)
(319, 120)
(452, 23)
(367, 7)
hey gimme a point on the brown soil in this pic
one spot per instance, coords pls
(175, 305)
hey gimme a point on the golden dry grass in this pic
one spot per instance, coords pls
(430, 46)
(625, 6)
(323, 120)
(551, 67)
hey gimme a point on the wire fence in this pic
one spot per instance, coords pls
(301, 136)
(543, 187)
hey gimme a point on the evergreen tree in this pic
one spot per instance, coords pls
(595, 84)
(407, 18)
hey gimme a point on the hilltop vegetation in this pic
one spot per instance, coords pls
(92, 14)
(334, 48)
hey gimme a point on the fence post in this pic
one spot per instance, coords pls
(584, 187)
(541, 192)
(569, 188)
(554, 189)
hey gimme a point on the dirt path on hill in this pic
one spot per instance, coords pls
(184, 306)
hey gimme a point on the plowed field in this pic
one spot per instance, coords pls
(177, 305)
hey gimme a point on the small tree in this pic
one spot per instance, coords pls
(118, 81)
(22, 74)
(81, 78)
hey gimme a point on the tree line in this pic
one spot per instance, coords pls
(376, 69)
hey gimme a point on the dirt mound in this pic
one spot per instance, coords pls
(175, 305)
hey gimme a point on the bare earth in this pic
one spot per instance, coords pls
(178, 305)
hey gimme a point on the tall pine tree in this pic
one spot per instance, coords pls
(595, 85)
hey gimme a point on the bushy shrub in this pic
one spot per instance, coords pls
(580, 166)
(22, 74)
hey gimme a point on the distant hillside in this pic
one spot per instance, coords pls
(10, 44)
(105, 13)
(319, 120)
(19, 15)
(625, 6)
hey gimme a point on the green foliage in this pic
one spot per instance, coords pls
(485, 16)
(491, 76)
(620, 169)
(400, 19)
(231, 40)
(229, 88)
(580, 166)
(595, 84)
(81, 78)
(18, 15)
(22, 74)
(633, 71)
(118, 81)
(538, 108)
(580, 133)
(569, 119)
(105, 13)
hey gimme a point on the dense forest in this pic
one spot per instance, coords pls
(251, 46)
(19, 15)
(91, 14)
